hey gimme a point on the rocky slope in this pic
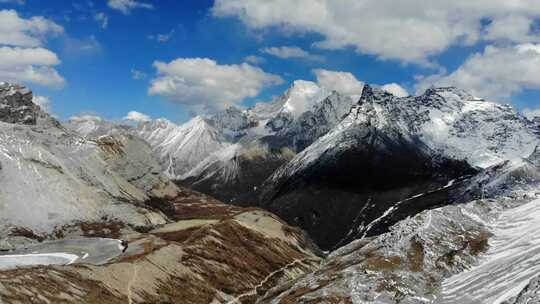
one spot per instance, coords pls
(52, 177)
(387, 150)
(482, 251)
(208, 253)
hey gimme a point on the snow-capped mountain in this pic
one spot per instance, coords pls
(180, 148)
(270, 134)
(427, 199)
(388, 149)
(235, 148)
(310, 148)
(92, 126)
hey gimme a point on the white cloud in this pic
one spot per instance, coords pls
(16, 56)
(137, 75)
(204, 85)
(395, 89)
(497, 73)
(33, 65)
(102, 19)
(137, 117)
(511, 28)
(286, 52)
(254, 59)
(343, 82)
(43, 102)
(126, 6)
(409, 31)
(531, 113)
(22, 59)
(16, 31)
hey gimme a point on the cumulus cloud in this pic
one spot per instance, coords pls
(137, 117)
(286, 52)
(346, 83)
(254, 59)
(204, 85)
(409, 31)
(126, 6)
(395, 89)
(102, 19)
(511, 28)
(496, 73)
(343, 82)
(22, 57)
(29, 65)
(17, 31)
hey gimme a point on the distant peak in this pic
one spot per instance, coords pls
(197, 122)
(450, 90)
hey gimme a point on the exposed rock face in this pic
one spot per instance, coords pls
(16, 105)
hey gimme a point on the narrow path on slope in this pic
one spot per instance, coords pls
(130, 283)
(253, 291)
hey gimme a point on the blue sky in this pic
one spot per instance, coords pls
(98, 59)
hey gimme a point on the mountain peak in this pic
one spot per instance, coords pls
(197, 122)
(16, 105)
(370, 93)
(301, 96)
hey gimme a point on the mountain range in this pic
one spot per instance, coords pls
(313, 197)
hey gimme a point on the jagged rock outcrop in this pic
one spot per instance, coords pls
(16, 105)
